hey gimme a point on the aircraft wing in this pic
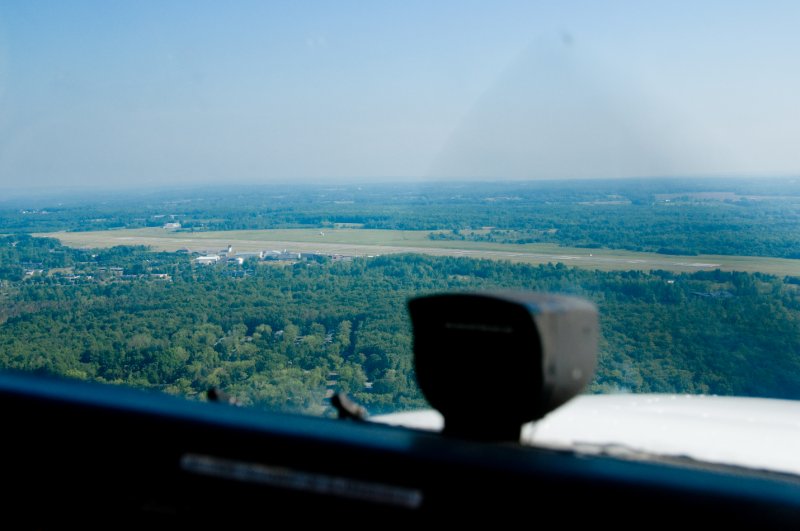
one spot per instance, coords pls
(755, 433)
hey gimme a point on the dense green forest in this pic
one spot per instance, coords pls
(282, 336)
(671, 216)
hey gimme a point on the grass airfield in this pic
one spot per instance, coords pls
(372, 242)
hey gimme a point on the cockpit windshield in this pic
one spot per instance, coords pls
(239, 200)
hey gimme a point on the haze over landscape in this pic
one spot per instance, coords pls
(102, 95)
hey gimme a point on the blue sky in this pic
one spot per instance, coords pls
(112, 93)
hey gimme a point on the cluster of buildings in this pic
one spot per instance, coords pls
(228, 255)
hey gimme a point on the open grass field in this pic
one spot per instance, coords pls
(368, 242)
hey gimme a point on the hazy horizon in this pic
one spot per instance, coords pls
(174, 94)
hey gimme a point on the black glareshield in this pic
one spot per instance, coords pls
(490, 362)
